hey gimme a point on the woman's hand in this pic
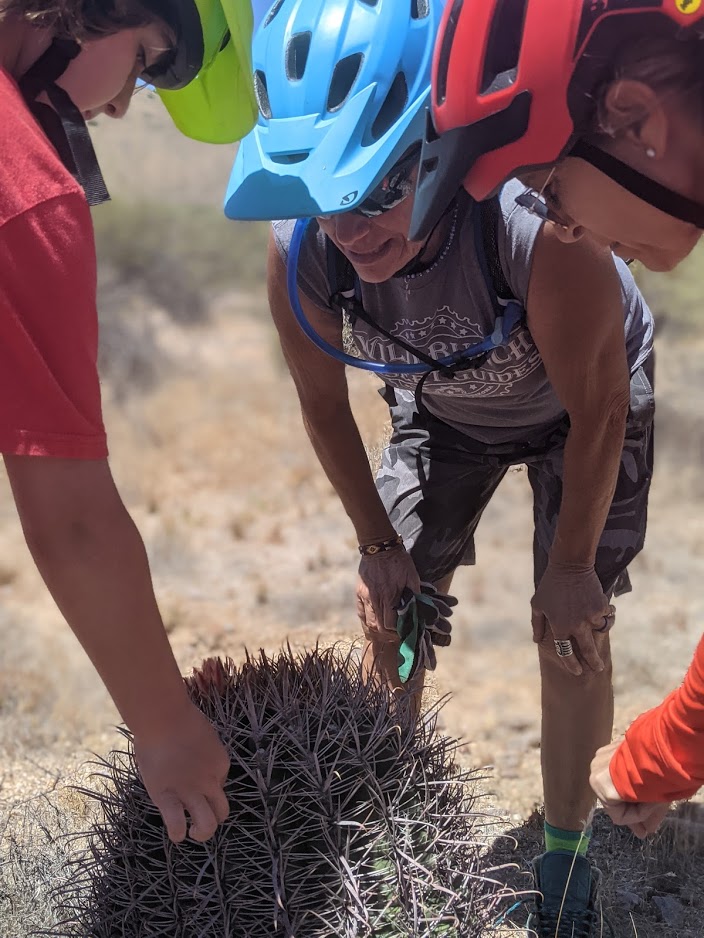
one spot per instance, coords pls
(643, 819)
(382, 579)
(184, 769)
(570, 602)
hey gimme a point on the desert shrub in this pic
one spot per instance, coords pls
(176, 259)
(131, 359)
(347, 819)
(676, 298)
(177, 256)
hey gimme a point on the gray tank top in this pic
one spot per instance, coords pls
(449, 307)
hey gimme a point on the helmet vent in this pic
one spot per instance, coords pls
(343, 79)
(393, 107)
(289, 159)
(446, 51)
(369, 3)
(297, 55)
(504, 47)
(420, 9)
(262, 93)
(272, 13)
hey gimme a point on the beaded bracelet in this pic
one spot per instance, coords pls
(369, 550)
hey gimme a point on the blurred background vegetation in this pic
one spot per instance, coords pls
(165, 248)
(677, 298)
(166, 251)
(179, 257)
(165, 234)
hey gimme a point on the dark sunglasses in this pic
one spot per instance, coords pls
(534, 202)
(638, 184)
(394, 188)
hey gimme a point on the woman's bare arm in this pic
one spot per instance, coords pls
(322, 390)
(575, 314)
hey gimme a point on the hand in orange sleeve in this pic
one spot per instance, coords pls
(643, 819)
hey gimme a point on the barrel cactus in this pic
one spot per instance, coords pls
(347, 819)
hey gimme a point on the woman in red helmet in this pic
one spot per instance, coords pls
(62, 61)
(600, 107)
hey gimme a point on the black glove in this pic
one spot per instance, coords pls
(422, 623)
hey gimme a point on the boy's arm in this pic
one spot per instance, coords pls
(93, 561)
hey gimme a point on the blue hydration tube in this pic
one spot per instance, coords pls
(504, 325)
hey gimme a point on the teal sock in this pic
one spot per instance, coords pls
(571, 841)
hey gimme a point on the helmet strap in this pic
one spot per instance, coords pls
(62, 122)
(643, 187)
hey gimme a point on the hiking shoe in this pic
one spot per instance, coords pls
(567, 904)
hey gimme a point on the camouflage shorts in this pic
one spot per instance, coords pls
(436, 481)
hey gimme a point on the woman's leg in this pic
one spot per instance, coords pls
(577, 719)
(577, 712)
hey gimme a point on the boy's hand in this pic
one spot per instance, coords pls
(93, 561)
(184, 770)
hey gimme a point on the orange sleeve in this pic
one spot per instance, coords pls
(662, 756)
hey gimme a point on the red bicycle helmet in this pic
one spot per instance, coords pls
(513, 78)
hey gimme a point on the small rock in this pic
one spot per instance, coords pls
(628, 900)
(666, 882)
(671, 910)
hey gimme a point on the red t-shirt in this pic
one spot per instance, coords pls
(49, 387)
(662, 756)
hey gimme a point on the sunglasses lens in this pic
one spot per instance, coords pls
(533, 203)
(395, 188)
(383, 199)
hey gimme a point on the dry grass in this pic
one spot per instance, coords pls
(637, 875)
(38, 840)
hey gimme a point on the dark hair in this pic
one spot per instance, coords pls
(79, 19)
(673, 68)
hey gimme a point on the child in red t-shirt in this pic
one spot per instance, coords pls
(83, 541)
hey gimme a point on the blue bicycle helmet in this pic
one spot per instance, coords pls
(342, 88)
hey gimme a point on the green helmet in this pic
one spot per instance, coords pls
(206, 84)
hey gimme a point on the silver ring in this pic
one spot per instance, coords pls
(564, 649)
(608, 622)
